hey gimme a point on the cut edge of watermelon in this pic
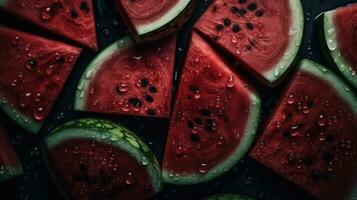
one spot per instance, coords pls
(330, 39)
(175, 11)
(10, 172)
(296, 34)
(25, 122)
(109, 133)
(241, 150)
(341, 88)
(94, 67)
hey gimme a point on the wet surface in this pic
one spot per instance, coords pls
(247, 177)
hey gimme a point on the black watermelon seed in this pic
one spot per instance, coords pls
(135, 102)
(153, 89)
(61, 60)
(234, 9)
(307, 161)
(214, 8)
(249, 48)
(206, 112)
(149, 98)
(194, 88)
(215, 38)
(74, 14)
(259, 13)
(209, 128)
(32, 63)
(242, 1)
(151, 112)
(195, 138)
(198, 120)
(327, 157)
(219, 27)
(236, 28)
(242, 12)
(84, 5)
(249, 25)
(226, 22)
(144, 82)
(190, 124)
(252, 6)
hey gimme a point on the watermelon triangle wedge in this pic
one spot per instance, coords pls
(72, 19)
(33, 71)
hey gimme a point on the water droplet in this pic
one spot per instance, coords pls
(237, 51)
(248, 180)
(322, 136)
(332, 44)
(47, 13)
(145, 161)
(203, 168)
(291, 99)
(24, 100)
(230, 81)
(234, 39)
(39, 114)
(31, 64)
(197, 94)
(276, 72)
(137, 57)
(122, 88)
(130, 179)
(16, 40)
(321, 121)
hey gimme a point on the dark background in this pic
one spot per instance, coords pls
(248, 177)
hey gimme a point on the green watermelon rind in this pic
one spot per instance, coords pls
(3, 2)
(296, 35)
(227, 197)
(110, 133)
(241, 150)
(95, 66)
(342, 89)
(330, 36)
(25, 122)
(9, 172)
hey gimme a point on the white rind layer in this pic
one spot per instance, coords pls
(296, 33)
(334, 49)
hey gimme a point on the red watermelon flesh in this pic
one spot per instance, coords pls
(310, 137)
(33, 71)
(151, 20)
(212, 123)
(97, 173)
(9, 163)
(346, 27)
(130, 79)
(73, 19)
(264, 36)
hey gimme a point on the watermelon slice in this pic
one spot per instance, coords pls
(227, 197)
(264, 36)
(310, 137)
(73, 19)
(151, 20)
(10, 165)
(129, 79)
(340, 37)
(33, 71)
(98, 159)
(214, 120)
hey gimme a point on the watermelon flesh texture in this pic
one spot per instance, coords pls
(209, 130)
(129, 79)
(263, 36)
(73, 19)
(151, 20)
(310, 137)
(9, 164)
(33, 71)
(341, 39)
(93, 162)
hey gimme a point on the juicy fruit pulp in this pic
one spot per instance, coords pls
(310, 138)
(150, 20)
(264, 36)
(129, 79)
(9, 163)
(341, 39)
(214, 119)
(33, 71)
(72, 18)
(96, 159)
